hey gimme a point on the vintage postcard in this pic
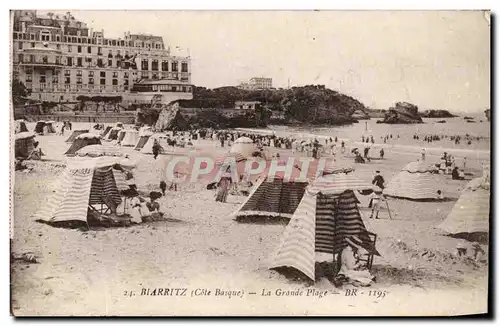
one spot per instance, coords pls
(249, 163)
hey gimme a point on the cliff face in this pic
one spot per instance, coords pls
(402, 113)
(170, 118)
(436, 114)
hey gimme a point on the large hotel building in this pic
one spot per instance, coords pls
(59, 58)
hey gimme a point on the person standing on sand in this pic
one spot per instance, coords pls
(342, 145)
(378, 180)
(376, 198)
(423, 154)
(382, 153)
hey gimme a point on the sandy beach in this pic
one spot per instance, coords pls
(200, 246)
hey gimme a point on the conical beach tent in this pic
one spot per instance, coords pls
(131, 138)
(148, 147)
(75, 134)
(39, 127)
(82, 141)
(121, 135)
(23, 145)
(49, 127)
(143, 139)
(326, 216)
(471, 213)
(415, 181)
(105, 131)
(272, 197)
(20, 126)
(85, 185)
(112, 134)
(244, 146)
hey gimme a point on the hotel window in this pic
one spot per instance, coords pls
(73, 39)
(58, 38)
(20, 45)
(115, 81)
(110, 62)
(103, 74)
(67, 80)
(155, 76)
(189, 89)
(79, 49)
(110, 54)
(154, 65)
(99, 63)
(174, 65)
(79, 80)
(79, 86)
(91, 74)
(79, 73)
(125, 82)
(64, 39)
(174, 88)
(69, 61)
(91, 80)
(144, 64)
(20, 56)
(103, 81)
(42, 79)
(184, 89)
(45, 59)
(67, 72)
(32, 37)
(89, 49)
(32, 44)
(125, 75)
(69, 48)
(58, 46)
(99, 50)
(184, 67)
(115, 74)
(79, 40)
(55, 80)
(144, 74)
(113, 42)
(79, 62)
(28, 78)
(15, 36)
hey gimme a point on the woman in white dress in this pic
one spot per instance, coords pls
(351, 267)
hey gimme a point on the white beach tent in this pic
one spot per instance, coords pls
(143, 139)
(326, 216)
(148, 147)
(415, 181)
(471, 212)
(84, 185)
(131, 138)
(244, 146)
(99, 150)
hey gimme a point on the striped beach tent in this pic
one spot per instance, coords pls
(85, 184)
(130, 138)
(143, 139)
(121, 135)
(75, 134)
(24, 144)
(49, 127)
(82, 141)
(415, 181)
(326, 218)
(99, 150)
(20, 126)
(471, 213)
(148, 147)
(112, 134)
(105, 131)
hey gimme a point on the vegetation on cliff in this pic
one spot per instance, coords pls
(312, 104)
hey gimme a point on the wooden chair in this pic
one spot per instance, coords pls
(368, 257)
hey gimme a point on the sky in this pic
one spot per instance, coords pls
(434, 59)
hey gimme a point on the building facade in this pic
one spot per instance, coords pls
(257, 83)
(59, 58)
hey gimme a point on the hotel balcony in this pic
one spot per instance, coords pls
(43, 64)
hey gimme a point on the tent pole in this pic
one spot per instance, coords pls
(388, 209)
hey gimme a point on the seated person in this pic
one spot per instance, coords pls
(352, 269)
(455, 175)
(439, 195)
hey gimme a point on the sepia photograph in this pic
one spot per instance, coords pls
(250, 163)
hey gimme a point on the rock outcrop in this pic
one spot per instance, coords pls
(360, 115)
(436, 114)
(170, 118)
(402, 113)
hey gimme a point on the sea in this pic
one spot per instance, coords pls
(403, 135)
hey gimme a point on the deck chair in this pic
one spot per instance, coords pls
(367, 258)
